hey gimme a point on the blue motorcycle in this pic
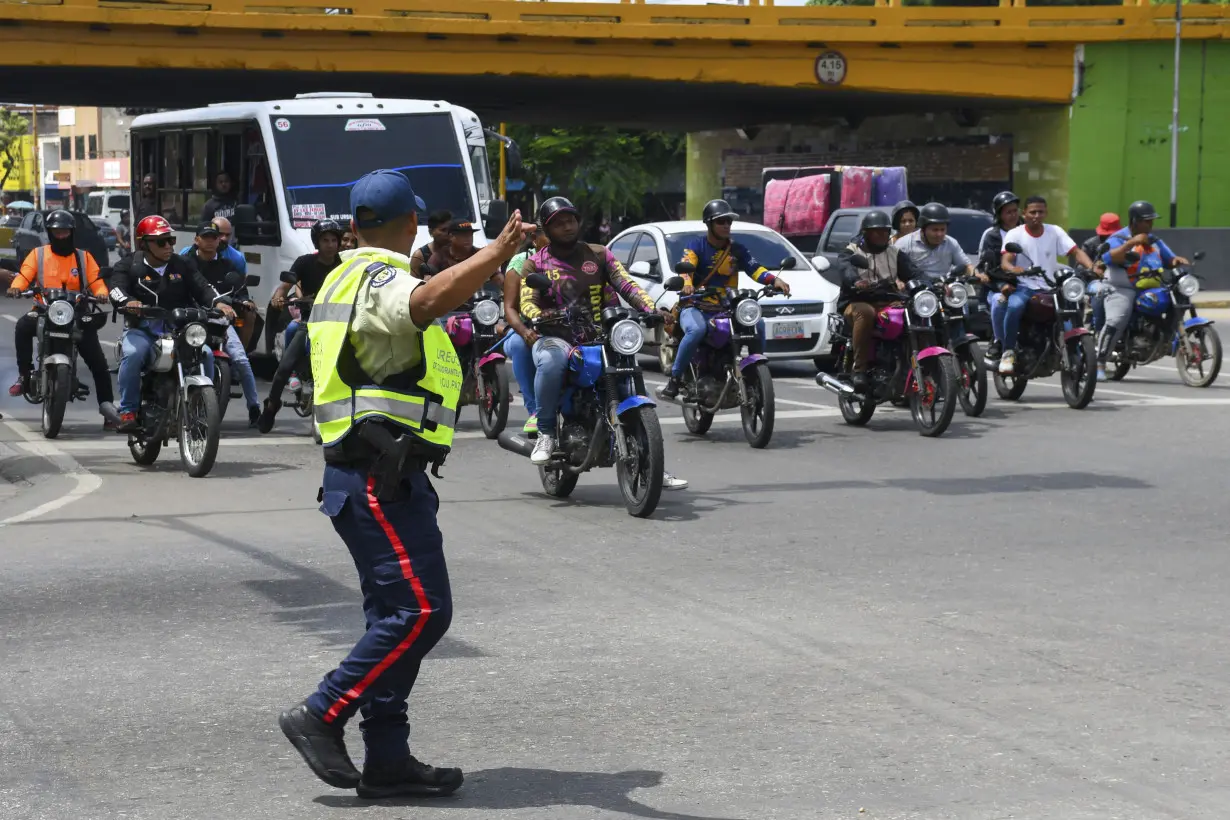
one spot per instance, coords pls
(1164, 323)
(606, 418)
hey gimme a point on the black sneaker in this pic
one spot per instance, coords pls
(408, 778)
(994, 351)
(322, 747)
(672, 388)
(264, 422)
(254, 415)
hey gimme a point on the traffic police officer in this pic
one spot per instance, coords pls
(387, 384)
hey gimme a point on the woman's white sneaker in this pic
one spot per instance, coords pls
(543, 447)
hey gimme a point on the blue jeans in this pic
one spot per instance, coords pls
(1006, 318)
(551, 359)
(136, 354)
(518, 352)
(289, 334)
(241, 365)
(695, 326)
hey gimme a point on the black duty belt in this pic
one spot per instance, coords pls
(385, 453)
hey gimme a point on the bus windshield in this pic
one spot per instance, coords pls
(323, 156)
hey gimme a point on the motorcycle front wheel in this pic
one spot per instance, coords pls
(493, 405)
(972, 380)
(640, 476)
(198, 432)
(55, 398)
(760, 411)
(933, 403)
(1207, 345)
(1081, 378)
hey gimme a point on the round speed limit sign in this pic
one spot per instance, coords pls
(831, 68)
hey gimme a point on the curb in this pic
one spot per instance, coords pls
(1219, 305)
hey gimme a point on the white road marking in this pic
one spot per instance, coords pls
(84, 482)
(776, 400)
(10, 317)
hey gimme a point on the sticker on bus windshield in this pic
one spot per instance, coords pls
(364, 125)
(298, 211)
(282, 124)
(304, 223)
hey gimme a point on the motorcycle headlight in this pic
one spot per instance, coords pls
(956, 295)
(748, 313)
(925, 304)
(195, 335)
(1073, 289)
(1188, 285)
(626, 337)
(487, 312)
(61, 313)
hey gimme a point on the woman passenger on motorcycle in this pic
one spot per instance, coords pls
(866, 291)
(1006, 208)
(520, 342)
(905, 219)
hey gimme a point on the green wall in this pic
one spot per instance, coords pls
(1120, 132)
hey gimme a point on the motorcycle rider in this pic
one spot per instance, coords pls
(154, 271)
(225, 249)
(1043, 246)
(580, 273)
(905, 219)
(717, 260)
(1121, 277)
(310, 270)
(215, 268)
(858, 303)
(1006, 209)
(932, 252)
(437, 227)
(60, 265)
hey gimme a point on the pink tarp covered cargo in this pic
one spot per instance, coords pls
(855, 186)
(797, 207)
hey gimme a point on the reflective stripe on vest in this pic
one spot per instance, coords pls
(428, 410)
(39, 277)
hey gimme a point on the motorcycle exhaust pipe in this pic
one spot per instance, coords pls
(516, 443)
(834, 385)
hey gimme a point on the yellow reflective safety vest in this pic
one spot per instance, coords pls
(424, 402)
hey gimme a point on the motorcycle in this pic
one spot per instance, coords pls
(969, 363)
(485, 383)
(717, 378)
(907, 363)
(62, 318)
(303, 403)
(1159, 328)
(606, 417)
(224, 381)
(177, 399)
(1053, 338)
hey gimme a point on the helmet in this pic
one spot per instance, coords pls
(61, 219)
(553, 207)
(1003, 199)
(875, 219)
(324, 226)
(1141, 210)
(717, 209)
(153, 226)
(933, 213)
(900, 208)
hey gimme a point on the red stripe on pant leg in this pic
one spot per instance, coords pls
(407, 571)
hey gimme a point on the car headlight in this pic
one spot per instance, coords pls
(1073, 289)
(925, 304)
(748, 313)
(1188, 285)
(626, 337)
(487, 312)
(60, 313)
(956, 295)
(194, 335)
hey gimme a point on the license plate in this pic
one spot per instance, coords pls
(788, 330)
(58, 335)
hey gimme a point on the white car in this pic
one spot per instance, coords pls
(796, 327)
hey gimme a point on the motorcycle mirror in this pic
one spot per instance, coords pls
(288, 277)
(252, 280)
(675, 283)
(788, 263)
(685, 268)
(538, 282)
(1197, 256)
(12, 265)
(859, 262)
(956, 270)
(105, 275)
(1103, 248)
(233, 280)
(1013, 247)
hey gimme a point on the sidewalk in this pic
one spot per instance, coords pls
(1217, 299)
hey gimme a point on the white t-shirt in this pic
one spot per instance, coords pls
(1045, 251)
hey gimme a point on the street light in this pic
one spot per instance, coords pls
(1174, 123)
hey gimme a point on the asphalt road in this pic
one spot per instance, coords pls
(1024, 618)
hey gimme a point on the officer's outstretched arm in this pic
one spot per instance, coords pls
(447, 291)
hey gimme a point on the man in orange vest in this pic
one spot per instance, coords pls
(60, 265)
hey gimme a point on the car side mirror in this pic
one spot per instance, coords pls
(512, 159)
(1197, 256)
(244, 223)
(640, 269)
(288, 277)
(1013, 247)
(685, 268)
(252, 280)
(788, 263)
(859, 262)
(675, 283)
(538, 282)
(496, 218)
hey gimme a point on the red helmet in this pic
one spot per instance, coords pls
(153, 226)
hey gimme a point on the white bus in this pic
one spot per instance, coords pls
(293, 162)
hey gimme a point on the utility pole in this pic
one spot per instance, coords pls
(37, 150)
(1174, 123)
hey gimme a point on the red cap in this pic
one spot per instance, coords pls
(1108, 225)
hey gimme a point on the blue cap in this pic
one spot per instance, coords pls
(388, 193)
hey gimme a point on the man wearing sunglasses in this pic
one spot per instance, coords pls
(154, 274)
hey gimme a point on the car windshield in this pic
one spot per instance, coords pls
(769, 249)
(322, 158)
(968, 229)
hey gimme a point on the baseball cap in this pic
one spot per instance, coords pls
(387, 193)
(208, 229)
(1108, 225)
(461, 226)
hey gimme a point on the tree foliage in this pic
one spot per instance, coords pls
(598, 168)
(13, 127)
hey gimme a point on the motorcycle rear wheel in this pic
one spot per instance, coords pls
(493, 407)
(55, 398)
(1010, 388)
(696, 420)
(1081, 379)
(144, 452)
(1206, 338)
(972, 380)
(222, 384)
(641, 484)
(939, 383)
(856, 412)
(557, 483)
(199, 429)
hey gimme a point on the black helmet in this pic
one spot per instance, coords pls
(900, 208)
(324, 226)
(61, 219)
(717, 209)
(875, 219)
(553, 207)
(1002, 199)
(933, 213)
(1141, 210)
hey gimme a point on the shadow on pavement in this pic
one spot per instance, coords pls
(512, 788)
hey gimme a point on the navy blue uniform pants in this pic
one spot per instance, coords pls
(399, 553)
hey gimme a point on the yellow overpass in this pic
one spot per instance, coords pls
(641, 63)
